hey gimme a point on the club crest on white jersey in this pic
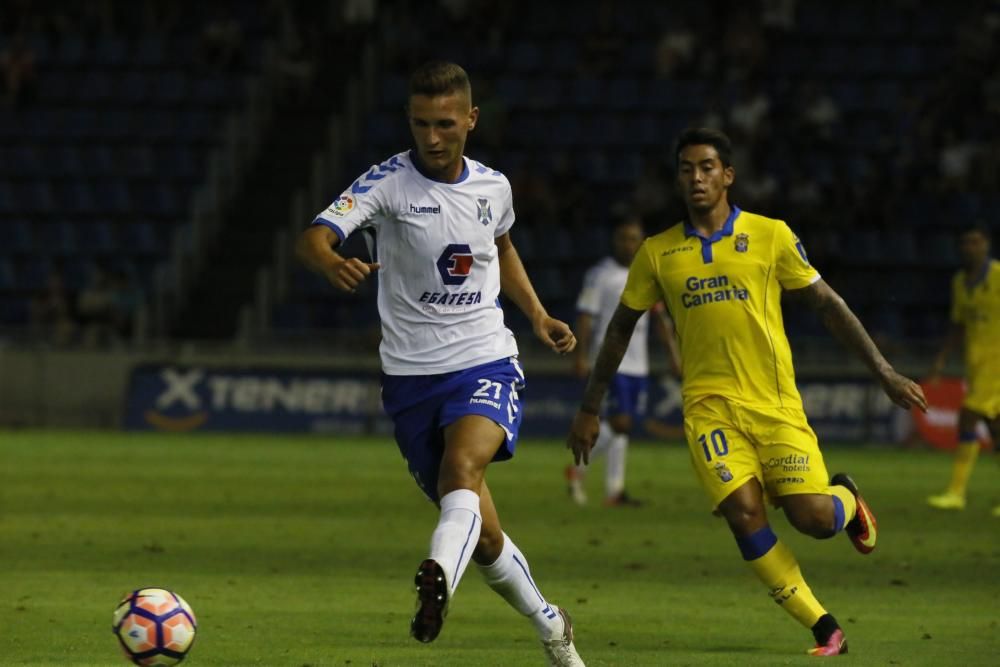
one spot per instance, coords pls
(439, 283)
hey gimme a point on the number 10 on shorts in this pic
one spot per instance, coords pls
(719, 443)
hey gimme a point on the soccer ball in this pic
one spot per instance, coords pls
(154, 626)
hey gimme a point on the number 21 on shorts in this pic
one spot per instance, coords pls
(719, 443)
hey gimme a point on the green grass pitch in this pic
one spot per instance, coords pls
(301, 550)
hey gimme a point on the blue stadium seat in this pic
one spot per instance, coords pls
(563, 57)
(169, 88)
(58, 237)
(94, 87)
(14, 310)
(513, 90)
(150, 51)
(141, 238)
(623, 94)
(71, 51)
(587, 93)
(31, 273)
(524, 57)
(110, 52)
(16, 236)
(113, 196)
(6, 275)
(178, 163)
(56, 87)
(134, 88)
(137, 161)
(97, 238)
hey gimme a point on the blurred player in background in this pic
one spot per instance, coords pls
(975, 320)
(451, 379)
(722, 273)
(627, 399)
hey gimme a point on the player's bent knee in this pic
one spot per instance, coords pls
(813, 517)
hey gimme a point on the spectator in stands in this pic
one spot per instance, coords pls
(748, 115)
(568, 190)
(126, 301)
(818, 113)
(51, 312)
(603, 44)
(493, 117)
(651, 195)
(19, 77)
(743, 46)
(536, 205)
(778, 15)
(96, 308)
(955, 160)
(675, 50)
(222, 41)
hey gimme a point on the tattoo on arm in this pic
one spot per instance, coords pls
(613, 348)
(844, 324)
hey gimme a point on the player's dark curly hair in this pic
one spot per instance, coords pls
(976, 227)
(705, 136)
(439, 77)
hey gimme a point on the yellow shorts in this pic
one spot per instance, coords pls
(984, 393)
(730, 444)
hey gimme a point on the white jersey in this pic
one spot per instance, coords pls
(602, 291)
(439, 285)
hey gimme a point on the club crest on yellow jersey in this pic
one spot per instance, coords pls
(722, 470)
(742, 242)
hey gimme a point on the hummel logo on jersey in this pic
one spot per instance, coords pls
(425, 209)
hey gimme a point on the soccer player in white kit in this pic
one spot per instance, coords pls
(627, 396)
(451, 379)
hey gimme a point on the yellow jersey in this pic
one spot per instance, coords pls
(976, 307)
(724, 295)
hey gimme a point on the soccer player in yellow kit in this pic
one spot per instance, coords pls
(975, 316)
(722, 273)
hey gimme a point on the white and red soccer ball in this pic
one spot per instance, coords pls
(154, 626)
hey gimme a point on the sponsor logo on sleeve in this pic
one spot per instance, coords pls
(342, 205)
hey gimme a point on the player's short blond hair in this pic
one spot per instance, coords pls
(439, 77)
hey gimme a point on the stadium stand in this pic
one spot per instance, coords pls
(867, 128)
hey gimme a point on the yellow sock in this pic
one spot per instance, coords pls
(845, 506)
(775, 565)
(965, 460)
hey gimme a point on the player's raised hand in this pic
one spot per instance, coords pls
(903, 391)
(556, 334)
(583, 435)
(347, 274)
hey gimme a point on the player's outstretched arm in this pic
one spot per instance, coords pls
(583, 433)
(315, 249)
(514, 282)
(846, 327)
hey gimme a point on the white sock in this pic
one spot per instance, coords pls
(457, 533)
(510, 576)
(604, 437)
(614, 474)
